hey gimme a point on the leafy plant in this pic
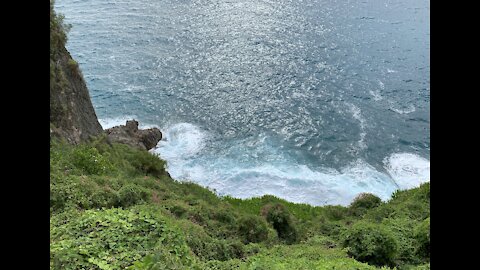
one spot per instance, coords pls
(110, 239)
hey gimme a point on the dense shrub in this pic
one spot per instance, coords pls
(147, 163)
(105, 197)
(206, 247)
(332, 228)
(379, 213)
(422, 236)
(335, 212)
(224, 216)
(280, 218)
(253, 229)
(320, 240)
(371, 243)
(289, 257)
(413, 204)
(177, 210)
(72, 191)
(195, 192)
(362, 203)
(89, 160)
(132, 194)
(402, 231)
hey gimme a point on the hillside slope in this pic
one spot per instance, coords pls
(114, 206)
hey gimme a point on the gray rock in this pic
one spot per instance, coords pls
(129, 134)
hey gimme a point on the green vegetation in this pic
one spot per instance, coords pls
(281, 220)
(58, 30)
(369, 242)
(115, 207)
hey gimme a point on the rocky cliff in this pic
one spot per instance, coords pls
(71, 112)
(72, 116)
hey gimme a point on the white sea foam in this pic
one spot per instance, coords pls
(181, 141)
(407, 169)
(357, 115)
(381, 84)
(376, 95)
(281, 177)
(407, 110)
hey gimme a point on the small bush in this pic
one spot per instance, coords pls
(279, 217)
(332, 229)
(147, 163)
(177, 210)
(105, 197)
(225, 216)
(73, 67)
(253, 229)
(370, 243)
(207, 248)
(132, 194)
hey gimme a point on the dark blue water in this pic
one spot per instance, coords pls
(314, 101)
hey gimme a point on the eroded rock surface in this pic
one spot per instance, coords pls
(130, 134)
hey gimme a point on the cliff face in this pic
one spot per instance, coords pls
(72, 115)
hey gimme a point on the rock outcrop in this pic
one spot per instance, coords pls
(129, 134)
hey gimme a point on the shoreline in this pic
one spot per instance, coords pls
(295, 183)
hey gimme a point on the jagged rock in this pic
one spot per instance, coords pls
(129, 134)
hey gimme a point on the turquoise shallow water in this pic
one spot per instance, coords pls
(313, 101)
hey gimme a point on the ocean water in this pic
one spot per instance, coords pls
(314, 101)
